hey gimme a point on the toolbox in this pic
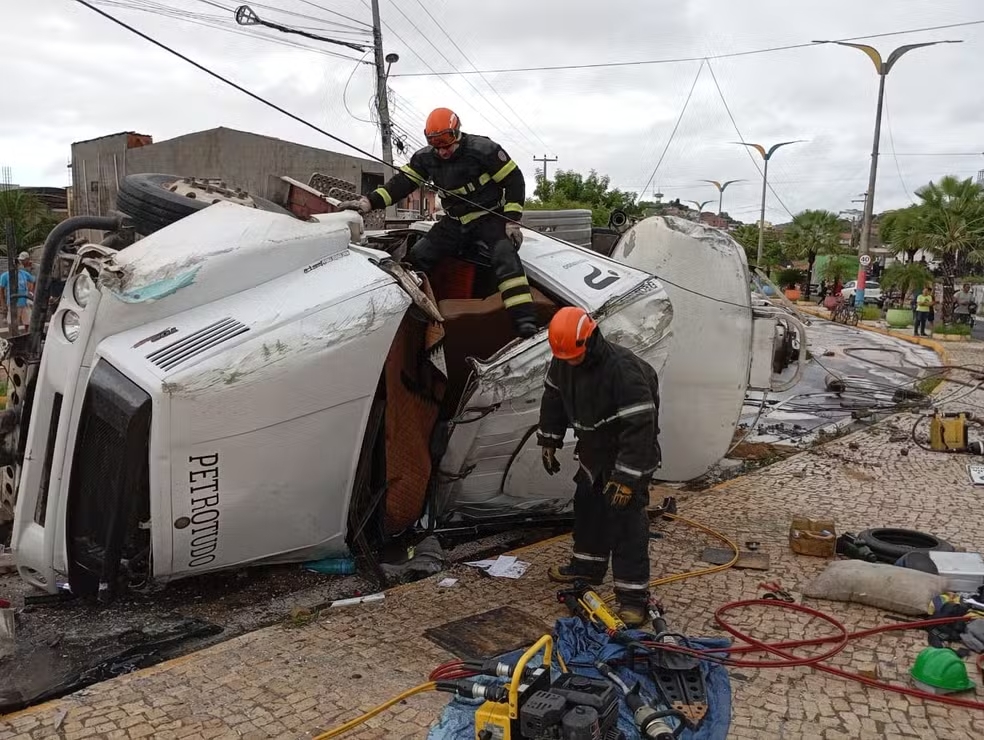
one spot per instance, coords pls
(964, 571)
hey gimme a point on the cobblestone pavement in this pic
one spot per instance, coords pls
(295, 681)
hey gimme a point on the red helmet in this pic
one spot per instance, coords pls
(569, 331)
(443, 128)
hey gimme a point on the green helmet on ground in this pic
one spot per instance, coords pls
(941, 670)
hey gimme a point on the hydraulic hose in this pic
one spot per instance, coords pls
(352, 724)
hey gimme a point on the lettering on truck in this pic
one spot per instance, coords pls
(203, 480)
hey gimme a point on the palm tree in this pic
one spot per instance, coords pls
(910, 277)
(899, 229)
(32, 219)
(812, 233)
(949, 223)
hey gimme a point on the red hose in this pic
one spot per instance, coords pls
(841, 639)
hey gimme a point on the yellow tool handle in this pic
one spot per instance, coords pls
(597, 608)
(544, 642)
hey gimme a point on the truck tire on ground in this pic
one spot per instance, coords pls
(145, 198)
(891, 544)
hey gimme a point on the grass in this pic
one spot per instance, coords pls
(928, 385)
(870, 313)
(962, 330)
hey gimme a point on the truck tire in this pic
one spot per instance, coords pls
(146, 199)
(891, 544)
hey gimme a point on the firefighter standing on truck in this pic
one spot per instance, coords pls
(611, 399)
(480, 171)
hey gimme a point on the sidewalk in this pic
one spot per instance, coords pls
(295, 681)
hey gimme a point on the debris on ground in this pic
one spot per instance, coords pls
(504, 566)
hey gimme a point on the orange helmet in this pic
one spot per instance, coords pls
(443, 128)
(569, 331)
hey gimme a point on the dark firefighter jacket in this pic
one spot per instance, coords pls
(479, 170)
(612, 402)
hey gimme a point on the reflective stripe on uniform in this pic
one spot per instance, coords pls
(517, 300)
(620, 414)
(506, 169)
(548, 435)
(384, 194)
(469, 217)
(513, 283)
(484, 178)
(513, 207)
(630, 586)
(589, 558)
(412, 174)
(632, 471)
(549, 382)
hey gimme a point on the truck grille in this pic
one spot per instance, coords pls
(177, 352)
(109, 492)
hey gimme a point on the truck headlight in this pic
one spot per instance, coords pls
(82, 289)
(70, 325)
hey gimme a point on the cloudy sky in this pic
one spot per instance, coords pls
(76, 75)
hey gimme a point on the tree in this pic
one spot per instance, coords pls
(812, 233)
(32, 218)
(947, 222)
(910, 277)
(839, 269)
(772, 251)
(897, 229)
(571, 189)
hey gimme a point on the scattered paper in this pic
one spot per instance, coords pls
(505, 566)
(976, 474)
(447, 582)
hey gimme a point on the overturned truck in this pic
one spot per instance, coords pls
(246, 385)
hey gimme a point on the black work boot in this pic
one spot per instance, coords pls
(634, 615)
(570, 573)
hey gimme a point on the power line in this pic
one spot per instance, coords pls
(742, 138)
(217, 26)
(675, 127)
(677, 60)
(467, 81)
(446, 83)
(293, 116)
(484, 78)
(891, 139)
(335, 12)
(940, 154)
(366, 30)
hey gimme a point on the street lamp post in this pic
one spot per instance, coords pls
(700, 206)
(883, 67)
(720, 188)
(766, 155)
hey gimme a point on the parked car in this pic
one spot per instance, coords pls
(872, 292)
(245, 387)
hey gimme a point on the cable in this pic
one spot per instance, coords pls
(333, 12)
(293, 116)
(483, 77)
(898, 165)
(352, 724)
(598, 65)
(345, 89)
(742, 138)
(675, 127)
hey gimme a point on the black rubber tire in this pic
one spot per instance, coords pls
(891, 544)
(151, 206)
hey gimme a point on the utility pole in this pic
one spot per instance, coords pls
(382, 99)
(544, 159)
(721, 187)
(766, 156)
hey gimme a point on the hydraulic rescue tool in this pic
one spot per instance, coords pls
(650, 721)
(533, 707)
(677, 675)
(585, 603)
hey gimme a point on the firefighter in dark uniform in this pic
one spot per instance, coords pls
(480, 171)
(611, 399)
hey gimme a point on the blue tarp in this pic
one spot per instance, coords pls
(580, 646)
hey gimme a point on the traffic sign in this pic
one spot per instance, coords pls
(865, 260)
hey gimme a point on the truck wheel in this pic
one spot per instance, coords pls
(891, 544)
(154, 201)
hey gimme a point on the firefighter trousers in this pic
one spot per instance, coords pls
(602, 531)
(449, 235)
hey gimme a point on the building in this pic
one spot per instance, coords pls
(249, 161)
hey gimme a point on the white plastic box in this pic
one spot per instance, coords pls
(964, 570)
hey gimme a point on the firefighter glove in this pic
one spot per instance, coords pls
(359, 204)
(515, 233)
(550, 462)
(618, 494)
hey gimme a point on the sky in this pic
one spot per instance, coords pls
(77, 76)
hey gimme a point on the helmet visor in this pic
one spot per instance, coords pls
(442, 139)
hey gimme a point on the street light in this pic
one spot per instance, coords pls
(721, 188)
(766, 155)
(883, 68)
(700, 206)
